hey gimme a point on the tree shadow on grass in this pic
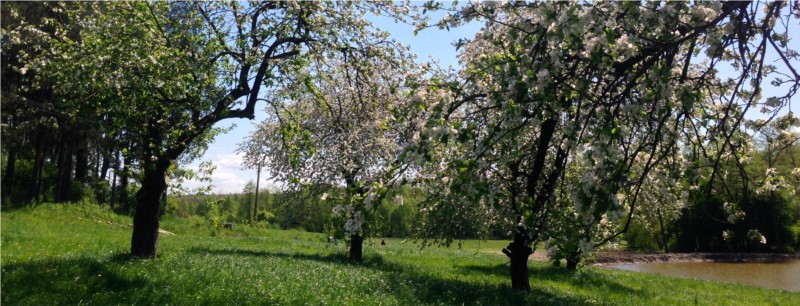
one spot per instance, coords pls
(370, 260)
(581, 278)
(412, 286)
(66, 281)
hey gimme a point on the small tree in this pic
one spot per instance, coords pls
(248, 191)
(348, 126)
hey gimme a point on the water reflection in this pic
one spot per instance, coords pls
(784, 275)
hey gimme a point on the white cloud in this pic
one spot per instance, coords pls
(229, 177)
(227, 182)
(228, 160)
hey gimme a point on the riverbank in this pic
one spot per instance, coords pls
(624, 257)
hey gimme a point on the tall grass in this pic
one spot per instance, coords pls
(77, 254)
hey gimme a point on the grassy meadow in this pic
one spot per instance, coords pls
(76, 254)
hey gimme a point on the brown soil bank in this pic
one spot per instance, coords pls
(622, 257)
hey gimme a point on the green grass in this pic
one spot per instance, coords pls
(76, 254)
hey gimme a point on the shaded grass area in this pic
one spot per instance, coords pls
(75, 254)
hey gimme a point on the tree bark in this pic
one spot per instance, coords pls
(64, 179)
(572, 260)
(518, 252)
(144, 241)
(38, 164)
(82, 163)
(114, 180)
(123, 183)
(356, 248)
(8, 179)
(104, 168)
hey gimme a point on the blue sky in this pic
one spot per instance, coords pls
(229, 177)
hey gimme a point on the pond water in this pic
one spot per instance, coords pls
(782, 275)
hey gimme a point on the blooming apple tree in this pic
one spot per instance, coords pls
(347, 122)
(616, 91)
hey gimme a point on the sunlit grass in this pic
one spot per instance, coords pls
(73, 254)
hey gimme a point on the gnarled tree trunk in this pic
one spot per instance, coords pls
(144, 240)
(518, 251)
(11, 165)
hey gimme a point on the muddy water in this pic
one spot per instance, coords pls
(784, 275)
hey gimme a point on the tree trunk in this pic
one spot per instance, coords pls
(518, 251)
(356, 248)
(104, 168)
(38, 164)
(64, 178)
(123, 184)
(664, 237)
(97, 158)
(82, 163)
(144, 240)
(572, 260)
(114, 180)
(8, 179)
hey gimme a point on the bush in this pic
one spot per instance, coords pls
(640, 239)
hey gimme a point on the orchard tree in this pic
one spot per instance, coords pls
(617, 90)
(164, 73)
(350, 117)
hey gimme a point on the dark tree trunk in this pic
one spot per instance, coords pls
(144, 240)
(123, 184)
(518, 252)
(81, 163)
(356, 248)
(38, 164)
(64, 179)
(97, 158)
(8, 179)
(104, 168)
(60, 148)
(664, 238)
(572, 260)
(114, 180)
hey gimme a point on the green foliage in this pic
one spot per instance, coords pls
(640, 239)
(72, 254)
(401, 222)
(774, 211)
(20, 192)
